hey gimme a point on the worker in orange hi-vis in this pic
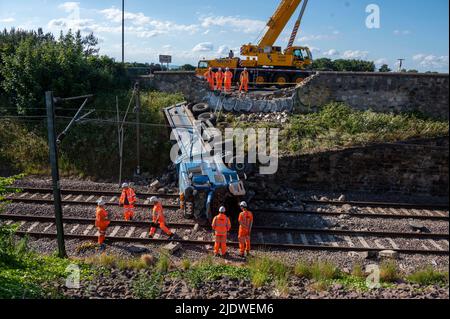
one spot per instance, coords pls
(219, 79)
(221, 225)
(245, 229)
(210, 76)
(158, 219)
(244, 79)
(101, 222)
(228, 77)
(127, 200)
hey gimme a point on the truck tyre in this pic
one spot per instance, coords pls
(200, 108)
(241, 168)
(208, 116)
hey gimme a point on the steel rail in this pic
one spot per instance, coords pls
(234, 244)
(382, 234)
(311, 202)
(257, 211)
(364, 204)
(86, 192)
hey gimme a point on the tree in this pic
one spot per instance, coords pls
(385, 68)
(33, 62)
(187, 67)
(343, 65)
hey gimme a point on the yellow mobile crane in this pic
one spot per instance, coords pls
(268, 64)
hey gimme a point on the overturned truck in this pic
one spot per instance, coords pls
(205, 182)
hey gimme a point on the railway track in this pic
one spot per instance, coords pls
(263, 237)
(170, 201)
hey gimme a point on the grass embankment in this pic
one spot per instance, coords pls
(25, 274)
(339, 126)
(91, 148)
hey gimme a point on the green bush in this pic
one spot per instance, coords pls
(389, 272)
(428, 276)
(148, 287)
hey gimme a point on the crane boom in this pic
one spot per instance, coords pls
(278, 22)
(297, 25)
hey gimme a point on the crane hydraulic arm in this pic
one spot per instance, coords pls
(274, 27)
(278, 22)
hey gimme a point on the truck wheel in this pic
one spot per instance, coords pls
(208, 116)
(200, 108)
(241, 168)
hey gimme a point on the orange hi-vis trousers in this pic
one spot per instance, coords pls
(128, 212)
(220, 245)
(227, 86)
(244, 86)
(244, 243)
(163, 227)
(101, 234)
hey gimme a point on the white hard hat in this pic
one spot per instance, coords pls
(100, 202)
(243, 205)
(125, 185)
(222, 209)
(227, 69)
(154, 199)
(245, 69)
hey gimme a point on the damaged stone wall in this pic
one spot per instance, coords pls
(380, 92)
(410, 168)
(196, 90)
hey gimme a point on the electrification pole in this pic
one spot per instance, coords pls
(400, 65)
(50, 102)
(138, 128)
(123, 31)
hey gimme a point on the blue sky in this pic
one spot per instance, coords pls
(415, 30)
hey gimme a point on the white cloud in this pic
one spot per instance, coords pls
(7, 20)
(381, 61)
(432, 61)
(150, 27)
(203, 47)
(331, 53)
(223, 49)
(69, 6)
(355, 54)
(236, 23)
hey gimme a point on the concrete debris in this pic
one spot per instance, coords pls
(388, 254)
(342, 198)
(418, 227)
(172, 247)
(155, 184)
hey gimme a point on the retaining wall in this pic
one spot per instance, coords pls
(409, 168)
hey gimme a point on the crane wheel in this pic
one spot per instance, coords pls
(260, 80)
(298, 79)
(281, 80)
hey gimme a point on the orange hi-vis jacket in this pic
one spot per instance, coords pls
(244, 77)
(101, 218)
(128, 197)
(245, 223)
(219, 76)
(210, 75)
(158, 214)
(228, 76)
(221, 225)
